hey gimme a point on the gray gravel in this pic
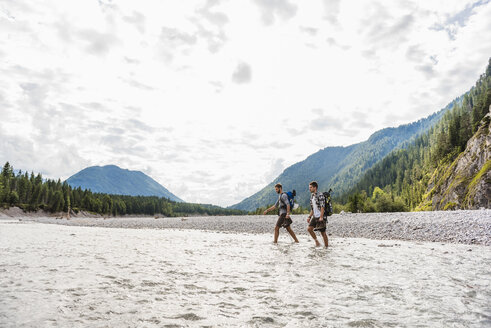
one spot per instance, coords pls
(465, 227)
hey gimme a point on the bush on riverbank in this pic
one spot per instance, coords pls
(381, 201)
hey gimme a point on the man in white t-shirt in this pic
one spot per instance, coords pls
(316, 217)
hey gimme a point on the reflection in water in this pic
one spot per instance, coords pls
(77, 277)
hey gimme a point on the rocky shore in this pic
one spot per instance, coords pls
(464, 227)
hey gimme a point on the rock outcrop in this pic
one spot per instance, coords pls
(466, 183)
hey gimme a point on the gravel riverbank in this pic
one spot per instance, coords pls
(465, 227)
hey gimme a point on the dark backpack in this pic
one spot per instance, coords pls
(327, 203)
(291, 196)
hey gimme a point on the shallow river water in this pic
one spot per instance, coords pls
(62, 276)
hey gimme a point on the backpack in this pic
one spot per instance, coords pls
(291, 195)
(327, 203)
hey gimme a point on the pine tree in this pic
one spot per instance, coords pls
(7, 171)
(14, 198)
(57, 202)
(2, 191)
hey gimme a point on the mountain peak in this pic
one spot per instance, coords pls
(111, 179)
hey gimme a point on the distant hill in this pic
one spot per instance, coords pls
(340, 168)
(111, 179)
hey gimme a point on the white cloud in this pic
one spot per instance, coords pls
(277, 167)
(242, 73)
(331, 8)
(97, 43)
(271, 9)
(216, 18)
(158, 87)
(137, 19)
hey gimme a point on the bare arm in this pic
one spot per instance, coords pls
(310, 215)
(269, 209)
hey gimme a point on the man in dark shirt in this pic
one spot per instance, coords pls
(284, 219)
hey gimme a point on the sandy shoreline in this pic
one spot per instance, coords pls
(464, 227)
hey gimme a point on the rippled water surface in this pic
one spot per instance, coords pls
(60, 276)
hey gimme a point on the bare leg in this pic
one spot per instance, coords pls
(312, 233)
(276, 234)
(289, 229)
(324, 236)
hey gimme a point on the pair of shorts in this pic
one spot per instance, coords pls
(318, 225)
(283, 221)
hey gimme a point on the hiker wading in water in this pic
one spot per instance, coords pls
(316, 218)
(284, 219)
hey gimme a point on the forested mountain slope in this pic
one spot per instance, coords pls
(442, 167)
(340, 168)
(466, 183)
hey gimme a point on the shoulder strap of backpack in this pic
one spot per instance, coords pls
(281, 199)
(315, 201)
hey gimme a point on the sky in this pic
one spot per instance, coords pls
(214, 99)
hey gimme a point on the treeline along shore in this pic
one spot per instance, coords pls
(33, 193)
